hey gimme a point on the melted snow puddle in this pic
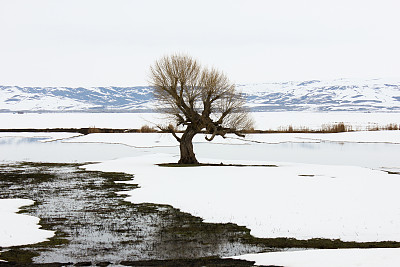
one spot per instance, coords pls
(94, 225)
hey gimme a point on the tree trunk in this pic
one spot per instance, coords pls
(186, 147)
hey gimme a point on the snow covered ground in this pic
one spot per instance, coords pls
(263, 120)
(292, 200)
(304, 201)
(18, 229)
(297, 200)
(388, 257)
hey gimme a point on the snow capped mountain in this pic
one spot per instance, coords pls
(336, 95)
(14, 98)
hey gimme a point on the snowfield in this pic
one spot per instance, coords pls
(18, 229)
(291, 200)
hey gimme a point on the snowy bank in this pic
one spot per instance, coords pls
(388, 257)
(19, 229)
(300, 201)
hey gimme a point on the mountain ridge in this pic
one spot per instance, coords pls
(311, 95)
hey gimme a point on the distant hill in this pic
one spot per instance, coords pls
(335, 95)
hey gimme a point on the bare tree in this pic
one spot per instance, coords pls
(199, 99)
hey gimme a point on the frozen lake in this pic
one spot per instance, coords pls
(371, 155)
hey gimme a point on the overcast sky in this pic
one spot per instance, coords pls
(103, 43)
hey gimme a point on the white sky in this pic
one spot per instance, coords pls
(102, 43)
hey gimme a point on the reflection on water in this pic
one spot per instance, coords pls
(31, 149)
(373, 155)
(17, 141)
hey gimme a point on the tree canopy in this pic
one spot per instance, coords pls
(199, 99)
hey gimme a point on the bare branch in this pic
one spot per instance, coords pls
(198, 97)
(172, 130)
(213, 134)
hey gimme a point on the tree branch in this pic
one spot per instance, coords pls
(197, 97)
(171, 130)
(213, 134)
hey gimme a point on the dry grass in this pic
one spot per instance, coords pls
(329, 128)
(147, 129)
(336, 128)
(326, 128)
(388, 127)
(94, 130)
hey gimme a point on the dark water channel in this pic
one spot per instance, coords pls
(94, 225)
